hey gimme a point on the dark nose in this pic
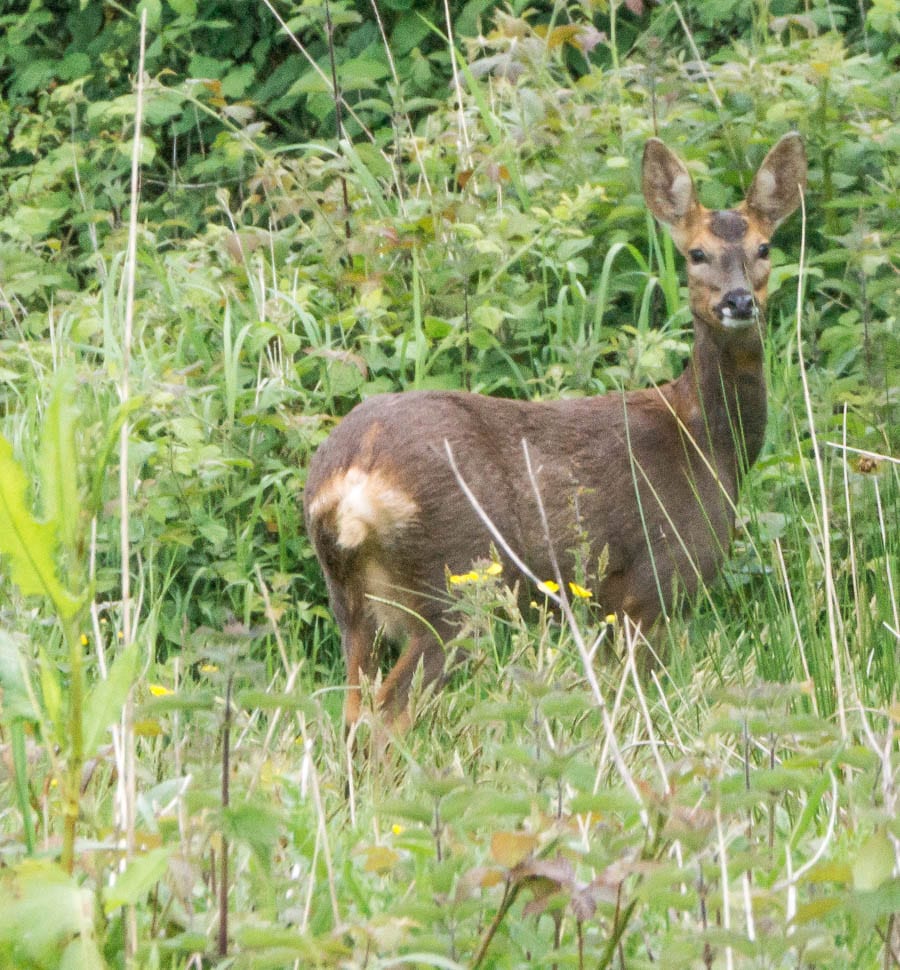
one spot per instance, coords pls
(737, 304)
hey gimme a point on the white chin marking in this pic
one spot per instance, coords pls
(736, 323)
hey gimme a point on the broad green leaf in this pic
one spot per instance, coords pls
(103, 705)
(41, 909)
(27, 544)
(141, 875)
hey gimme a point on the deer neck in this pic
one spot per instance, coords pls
(726, 379)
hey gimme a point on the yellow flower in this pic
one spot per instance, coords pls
(548, 586)
(397, 829)
(157, 690)
(84, 639)
(580, 591)
(494, 569)
(208, 668)
(463, 578)
(610, 618)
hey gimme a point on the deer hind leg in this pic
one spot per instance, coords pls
(359, 636)
(425, 647)
(358, 639)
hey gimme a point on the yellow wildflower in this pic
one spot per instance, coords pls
(84, 639)
(494, 569)
(157, 690)
(580, 591)
(548, 586)
(208, 668)
(460, 579)
(610, 618)
(397, 829)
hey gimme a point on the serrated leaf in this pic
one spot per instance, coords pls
(28, 544)
(201, 700)
(260, 700)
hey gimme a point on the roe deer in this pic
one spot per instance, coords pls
(649, 475)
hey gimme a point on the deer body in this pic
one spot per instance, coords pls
(648, 477)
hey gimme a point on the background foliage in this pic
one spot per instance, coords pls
(469, 216)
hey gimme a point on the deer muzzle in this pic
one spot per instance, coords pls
(737, 309)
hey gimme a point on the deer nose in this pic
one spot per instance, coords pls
(737, 305)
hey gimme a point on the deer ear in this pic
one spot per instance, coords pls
(667, 184)
(776, 187)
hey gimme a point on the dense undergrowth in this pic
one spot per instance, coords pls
(177, 790)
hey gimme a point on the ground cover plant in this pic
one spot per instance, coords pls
(184, 317)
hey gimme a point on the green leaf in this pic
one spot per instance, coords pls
(146, 149)
(82, 954)
(256, 825)
(51, 691)
(142, 874)
(874, 862)
(59, 482)
(184, 8)
(41, 909)
(17, 702)
(154, 12)
(103, 705)
(254, 700)
(28, 545)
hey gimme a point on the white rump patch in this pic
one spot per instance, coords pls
(364, 504)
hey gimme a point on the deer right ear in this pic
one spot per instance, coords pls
(780, 181)
(668, 187)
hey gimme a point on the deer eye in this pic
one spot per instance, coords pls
(697, 256)
(763, 251)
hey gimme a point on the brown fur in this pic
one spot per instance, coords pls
(651, 476)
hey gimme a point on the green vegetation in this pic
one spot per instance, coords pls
(176, 788)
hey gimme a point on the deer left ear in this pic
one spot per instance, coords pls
(777, 186)
(667, 184)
